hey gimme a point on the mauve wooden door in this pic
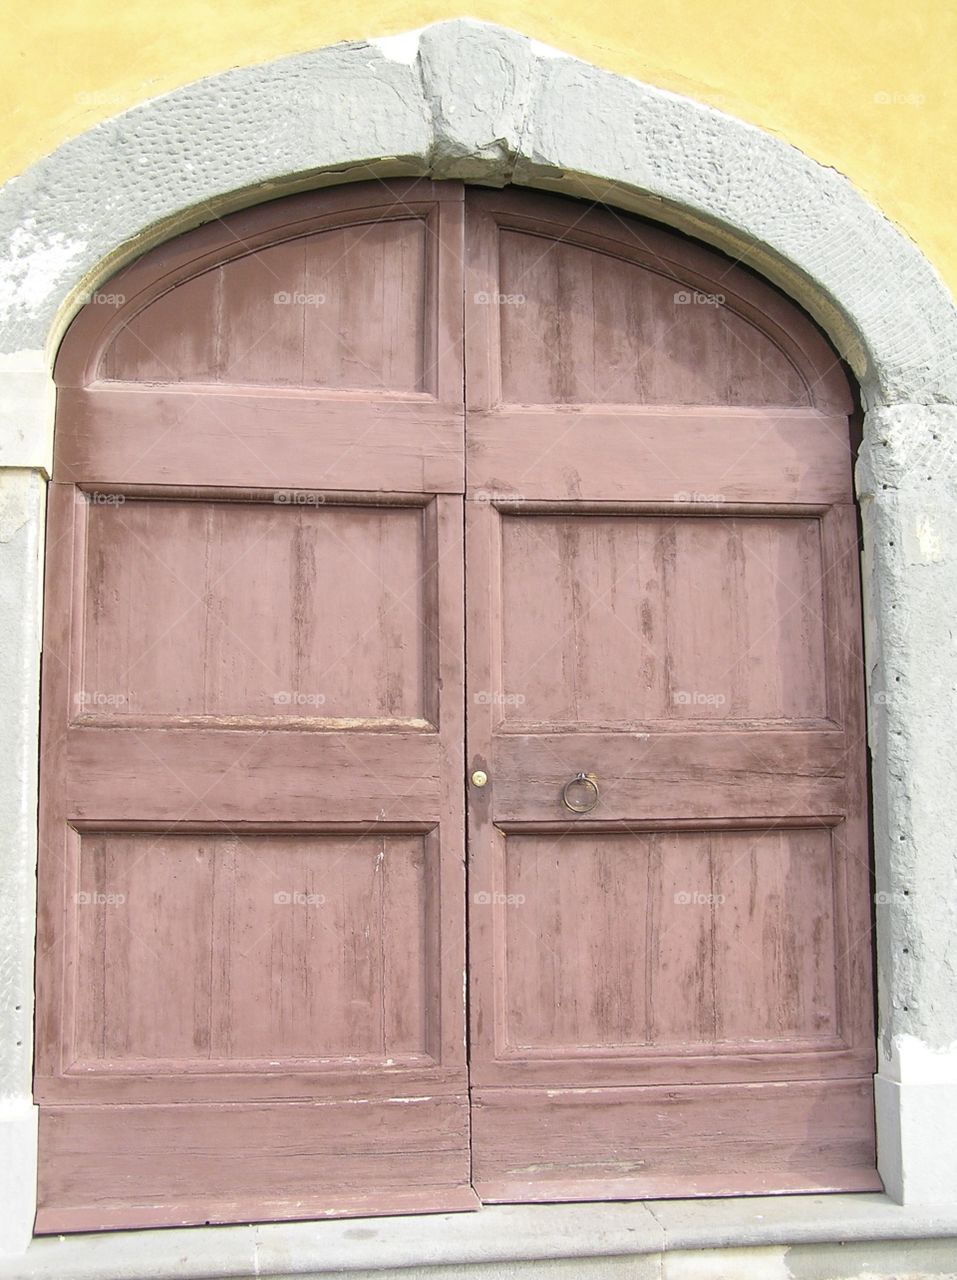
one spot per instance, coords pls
(670, 990)
(253, 898)
(251, 950)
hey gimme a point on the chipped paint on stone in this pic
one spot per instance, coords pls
(35, 264)
(914, 1062)
(402, 48)
(923, 542)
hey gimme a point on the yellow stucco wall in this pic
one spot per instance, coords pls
(866, 86)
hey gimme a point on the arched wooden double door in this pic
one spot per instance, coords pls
(361, 497)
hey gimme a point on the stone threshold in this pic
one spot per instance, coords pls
(507, 1234)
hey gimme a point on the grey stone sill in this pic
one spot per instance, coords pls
(496, 1233)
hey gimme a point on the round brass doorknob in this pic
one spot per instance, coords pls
(581, 793)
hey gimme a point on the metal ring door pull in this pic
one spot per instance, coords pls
(581, 794)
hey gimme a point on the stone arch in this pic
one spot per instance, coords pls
(469, 100)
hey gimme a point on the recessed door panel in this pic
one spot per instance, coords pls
(591, 325)
(336, 308)
(722, 939)
(215, 950)
(615, 619)
(292, 610)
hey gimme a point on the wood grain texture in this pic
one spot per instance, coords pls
(663, 571)
(287, 441)
(533, 1144)
(699, 619)
(237, 776)
(178, 1166)
(588, 327)
(202, 377)
(338, 308)
(418, 220)
(692, 938)
(318, 948)
(252, 884)
(284, 602)
(677, 456)
(574, 303)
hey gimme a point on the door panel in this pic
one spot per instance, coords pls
(590, 982)
(568, 308)
(297, 442)
(345, 307)
(689, 456)
(596, 327)
(281, 986)
(701, 619)
(668, 990)
(252, 881)
(201, 572)
(211, 1163)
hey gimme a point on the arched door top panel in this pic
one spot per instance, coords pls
(326, 309)
(595, 307)
(296, 273)
(322, 285)
(314, 342)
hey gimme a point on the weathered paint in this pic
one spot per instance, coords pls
(261, 966)
(713, 902)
